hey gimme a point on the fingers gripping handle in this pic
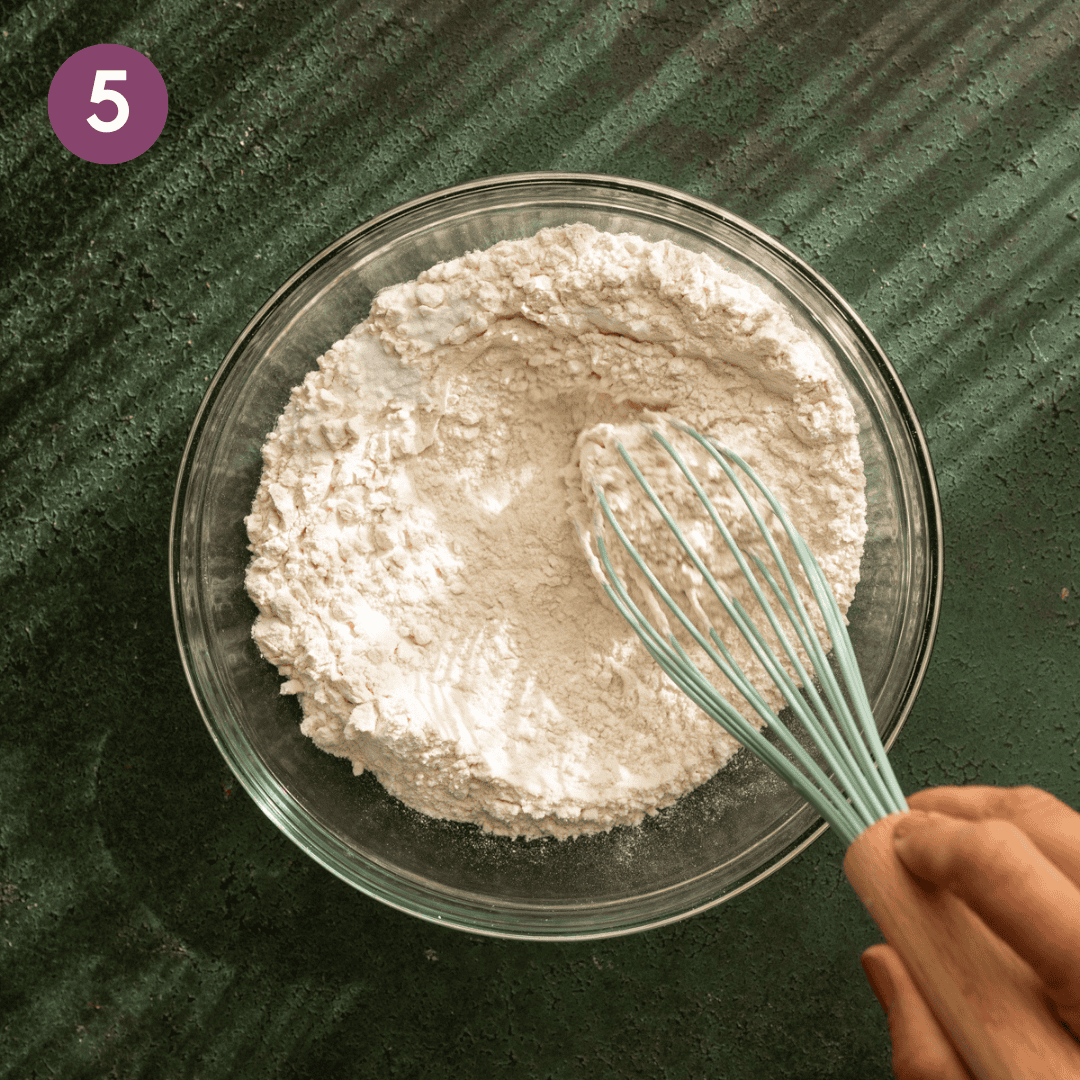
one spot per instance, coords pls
(986, 998)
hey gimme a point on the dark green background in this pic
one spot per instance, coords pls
(923, 156)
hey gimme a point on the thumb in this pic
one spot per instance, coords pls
(921, 1050)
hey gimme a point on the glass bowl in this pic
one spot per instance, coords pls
(714, 843)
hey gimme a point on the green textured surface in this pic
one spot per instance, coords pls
(153, 923)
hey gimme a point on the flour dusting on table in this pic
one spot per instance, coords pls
(419, 577)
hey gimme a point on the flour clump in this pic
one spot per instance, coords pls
(416, 559)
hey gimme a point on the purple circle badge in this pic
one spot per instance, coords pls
(108, 104)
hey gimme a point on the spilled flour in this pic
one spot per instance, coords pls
(419, 576)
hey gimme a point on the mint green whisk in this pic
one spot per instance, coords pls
(837, 716)
(983, 996)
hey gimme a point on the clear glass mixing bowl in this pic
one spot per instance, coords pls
(714, 843)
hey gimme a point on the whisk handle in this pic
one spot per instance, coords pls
(985, 996)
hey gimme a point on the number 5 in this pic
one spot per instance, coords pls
(100, 93)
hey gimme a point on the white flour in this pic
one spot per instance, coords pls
(598, 464)
(420, 581)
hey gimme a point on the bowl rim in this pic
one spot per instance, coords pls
(927, 484)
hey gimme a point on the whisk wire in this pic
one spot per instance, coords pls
(673, 659)
(824, 797)
(862, 773)
(863, 770)
(835, 624)
(869, 788)
(837, 629)
(832, 745)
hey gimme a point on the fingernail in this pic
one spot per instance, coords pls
(877, 975)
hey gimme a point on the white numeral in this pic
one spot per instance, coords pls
(100, 94)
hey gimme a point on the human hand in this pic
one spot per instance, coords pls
(1013, 856)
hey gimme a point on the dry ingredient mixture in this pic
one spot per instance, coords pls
(417, 561)
(600, 466)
